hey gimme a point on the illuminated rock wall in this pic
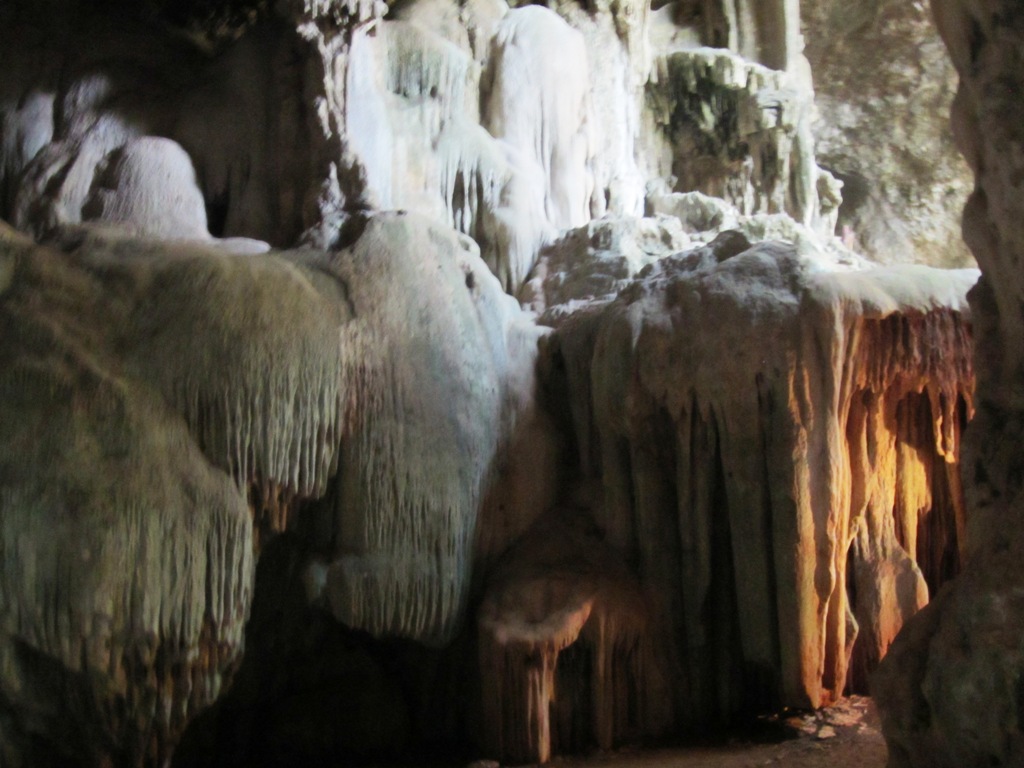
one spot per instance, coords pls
(773, 446)
(949, 692)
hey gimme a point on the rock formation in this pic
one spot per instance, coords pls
(562, 628)
(287, 475)
(950, 690)
(159, 398)
(783, 526)
(883, 128)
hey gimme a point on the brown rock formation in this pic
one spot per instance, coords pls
(773, 496)
(560, 647)
(949, 691)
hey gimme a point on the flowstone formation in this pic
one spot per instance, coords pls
(441, 372)
(161, 400)
(950, 692)
(786, 505)
(127, 556)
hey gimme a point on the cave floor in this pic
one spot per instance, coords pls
(846, 736)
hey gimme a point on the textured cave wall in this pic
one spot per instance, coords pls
(135, 460)
(161, 399)
(741, 132)
(882, 127)
(782, 527)
(319, 111)
(80, 85)
(128, 551)
(949, 692)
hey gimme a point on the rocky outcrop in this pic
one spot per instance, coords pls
(949, 692)
(596, 261)
(741, 132)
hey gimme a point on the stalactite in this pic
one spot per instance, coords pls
(560, 593)
(187, 391)
(776, 438)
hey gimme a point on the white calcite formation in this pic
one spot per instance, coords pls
(447, 109)
(597, 260)
(434, 384)
(159, 399)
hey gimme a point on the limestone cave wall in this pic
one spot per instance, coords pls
(883, 128)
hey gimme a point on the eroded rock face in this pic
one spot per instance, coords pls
(883, 128)
(741, 132)
(949, 691)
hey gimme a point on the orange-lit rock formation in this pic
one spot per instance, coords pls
(774, 443)
(561, 643)
(950, 690)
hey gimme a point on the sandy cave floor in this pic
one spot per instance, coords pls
(847, 735)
